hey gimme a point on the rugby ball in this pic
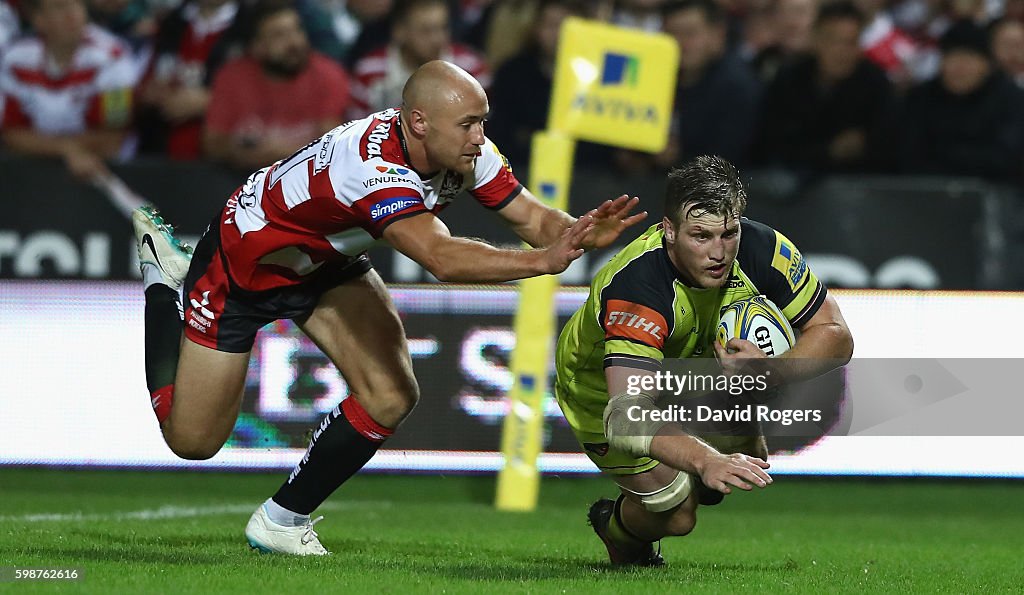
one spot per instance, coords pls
(759, 321)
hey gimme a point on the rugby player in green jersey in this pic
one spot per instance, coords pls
(660, 297)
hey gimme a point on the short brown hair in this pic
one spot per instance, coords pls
(707, 184)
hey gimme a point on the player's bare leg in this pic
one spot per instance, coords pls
(652, 526)
(203, 385)
(357, 326)
(207, 397)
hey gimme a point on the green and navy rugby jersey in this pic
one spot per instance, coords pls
(640, 311)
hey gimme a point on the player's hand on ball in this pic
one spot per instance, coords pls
(737, 357)
(724, 472)
(558, 256)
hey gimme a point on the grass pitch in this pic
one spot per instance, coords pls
(182, 532)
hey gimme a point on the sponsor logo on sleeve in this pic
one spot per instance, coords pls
(788, 261)
(504, 160)
(376, 138)
(390, 206)
(636, 322)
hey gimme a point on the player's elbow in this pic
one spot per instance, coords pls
(442, 273)
(843, 343)
(442, 270)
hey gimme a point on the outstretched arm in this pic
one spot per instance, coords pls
(425, 239)
(674, 447)
(539, 225)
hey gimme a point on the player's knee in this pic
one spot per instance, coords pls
(191, 446)
(403, 397)
(681, 522)
(391, 402)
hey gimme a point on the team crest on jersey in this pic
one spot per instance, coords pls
(450, 186)
(788, 261)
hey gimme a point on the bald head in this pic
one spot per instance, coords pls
(438, 83)
(443, 113)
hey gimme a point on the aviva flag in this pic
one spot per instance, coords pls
(613, 85)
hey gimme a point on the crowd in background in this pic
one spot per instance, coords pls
(808, 86)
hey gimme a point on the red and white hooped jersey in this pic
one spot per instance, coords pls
(333, 199)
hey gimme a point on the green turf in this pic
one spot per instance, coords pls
(433, 534)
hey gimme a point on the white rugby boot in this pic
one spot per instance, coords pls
(268, 537)
(158, 246)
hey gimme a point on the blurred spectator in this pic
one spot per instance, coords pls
(792, 22)
(420, 33)
(756, 31)
(968, 120)
(644, 15)
(927, 20)
(175, 93)
(131, 20)
(718, 94)
(1013, 10)
(360, 26)
(470, 16)
(10, 27)
(1007, 40)
(278, 97)
(67, 90)
(826, 112)
(508, 27)
(521, 94)
(904, 59)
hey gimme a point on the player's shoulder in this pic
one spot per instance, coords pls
(758, 240)
(378, 137)
(368, 160)
(756, 237)
(641, 269)
(768, 256)
(489, 152)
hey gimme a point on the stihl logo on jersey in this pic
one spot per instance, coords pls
(392, 206)
(635, 322)
(376, 138)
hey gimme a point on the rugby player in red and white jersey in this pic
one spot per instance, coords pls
(290, 244)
